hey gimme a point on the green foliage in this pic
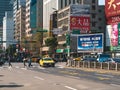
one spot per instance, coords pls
(51, 42)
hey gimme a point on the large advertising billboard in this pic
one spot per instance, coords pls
(115, 37)
(81, 23)
(77, 10)
(112, 8)
(91, 43)
(112, 11)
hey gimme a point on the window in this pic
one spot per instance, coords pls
(93, 7)
(69, 1)
(93, 1)
(79, 1)
(93, 16)
(93, 24)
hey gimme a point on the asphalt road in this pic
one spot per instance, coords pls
(55, 78)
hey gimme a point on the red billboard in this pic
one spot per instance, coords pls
(112, 8)
(113, 19)
(81, 23)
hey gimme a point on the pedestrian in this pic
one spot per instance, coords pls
(24, 61)
(9, 61)
(29, 62)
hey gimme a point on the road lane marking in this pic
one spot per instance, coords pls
(39, 78)
(102, 78)
(105, 75)
(70, 88)
(24, 68)
(115, 85)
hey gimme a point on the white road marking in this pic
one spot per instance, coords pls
(115, 85)
(39, 78)
(40, 67)
(17, 67)
(24, 68)
(70, 88)
(105, 75)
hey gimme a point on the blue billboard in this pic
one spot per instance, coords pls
(91, 43)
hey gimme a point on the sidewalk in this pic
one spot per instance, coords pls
(97, 70)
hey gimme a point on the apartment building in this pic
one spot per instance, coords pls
(8, 29)
(19, 32)
(97, 18)
(34, 15)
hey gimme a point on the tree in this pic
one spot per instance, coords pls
(52, 43)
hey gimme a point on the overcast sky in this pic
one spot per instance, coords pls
(101, 2)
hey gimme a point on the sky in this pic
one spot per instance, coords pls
(101, 2)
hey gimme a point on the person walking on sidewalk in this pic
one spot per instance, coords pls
(24, 61)
(29, 62)
(9, 60)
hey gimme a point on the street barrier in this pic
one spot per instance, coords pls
(94, 65)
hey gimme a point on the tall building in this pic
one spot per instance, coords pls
(3, 8)
(34, 15)
(98, 21)
(97, 18)
(49, 6)
(19, 17)
(8, 29)
(5, 5)
(19, 32)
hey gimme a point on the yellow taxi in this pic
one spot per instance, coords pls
(47, 61)
(77, 58)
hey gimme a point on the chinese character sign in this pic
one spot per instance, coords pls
(81, 23)
(112, 8)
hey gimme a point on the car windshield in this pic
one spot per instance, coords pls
(47, 59)
(116, 59)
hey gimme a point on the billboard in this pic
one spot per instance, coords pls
(81, 23)
(77, 10)
(91, 43)
(112, 11)
(112, 8)
(114, 35)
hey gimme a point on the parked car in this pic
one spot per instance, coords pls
(47, 61)
(77, 58)
(113, 60)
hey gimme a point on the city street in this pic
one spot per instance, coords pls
(55, 78)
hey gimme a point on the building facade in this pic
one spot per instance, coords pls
(8, 30)
(19, 32)
(18, 14)
(3, 8)
(34, 15)
(49, 6)
(3, 4)
(97, 18)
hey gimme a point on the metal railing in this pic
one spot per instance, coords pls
(94, 65)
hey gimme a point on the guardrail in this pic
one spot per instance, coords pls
(94, 65)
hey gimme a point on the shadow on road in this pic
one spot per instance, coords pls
(1, 75)
(10, 86)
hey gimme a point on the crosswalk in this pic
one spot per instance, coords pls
(20, 66)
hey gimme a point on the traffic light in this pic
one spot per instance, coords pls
(68, 39)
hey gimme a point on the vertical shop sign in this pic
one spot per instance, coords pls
(118, 33)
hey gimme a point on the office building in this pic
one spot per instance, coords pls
(8, 29)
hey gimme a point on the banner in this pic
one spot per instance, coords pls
(92, 43)
(81, 23)
(112, 8)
